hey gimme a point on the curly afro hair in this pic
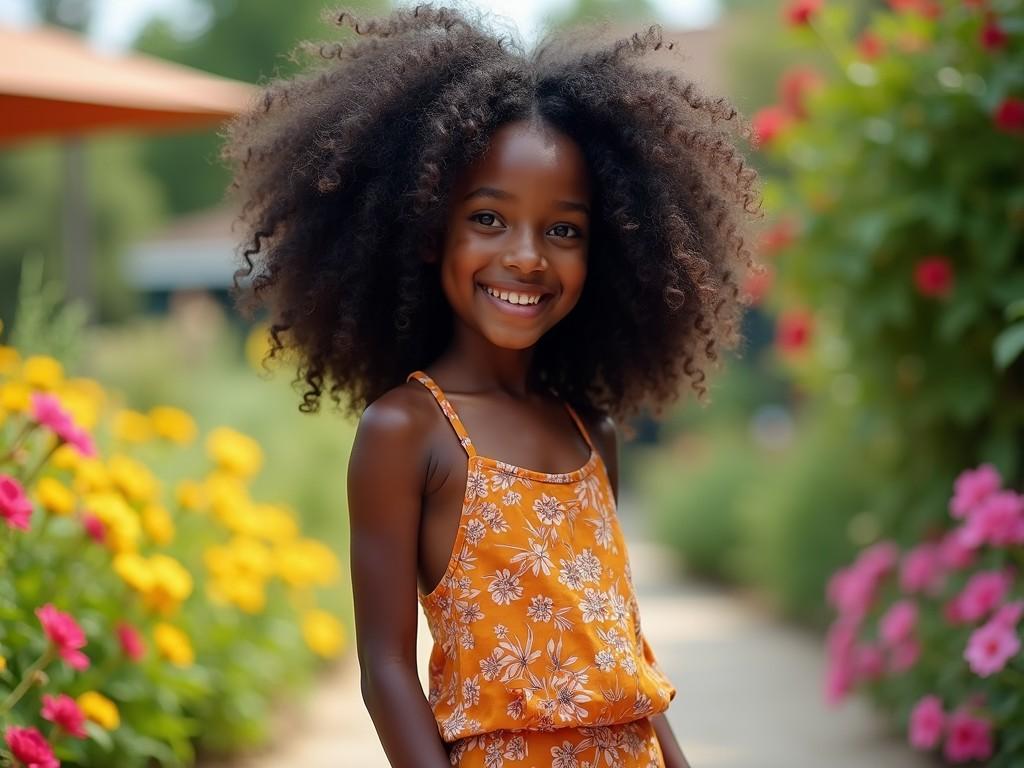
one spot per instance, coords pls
(344, 173)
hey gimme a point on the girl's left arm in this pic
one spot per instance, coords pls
(608, 442)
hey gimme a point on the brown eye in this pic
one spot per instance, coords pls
(565, 230)
(487, 219)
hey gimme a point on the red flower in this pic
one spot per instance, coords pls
(793, 330)
(131, 641)
(1009, 115)
(993, 37)
(778, 236)
(94, 527)
(799, 12)
(65, 635)
(933, 276)
(64, 711)
(870, 46)
(794, 86)
(30, 748)
(768, 123)
(757, 284)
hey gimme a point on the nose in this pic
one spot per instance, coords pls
(526, 255)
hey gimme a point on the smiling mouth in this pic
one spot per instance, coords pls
(513, 302)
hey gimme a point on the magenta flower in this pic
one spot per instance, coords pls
(64, 711)
(851, 592)
(1009, 614)
(65, 635)
(869, 662)
(899, 622)
(94, 527)
(47, 410)
(927, 721)
(840, 674)
(15, 508)
(954, 553)
(967, 738)
(995, 520)
(878, 560)
(990, 647)
(971, 488)
(131, 641)
(921, 569)
(30, 748)
(983, 592)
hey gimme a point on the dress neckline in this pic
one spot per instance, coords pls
(536, 474)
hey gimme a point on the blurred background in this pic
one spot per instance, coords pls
(882, 359)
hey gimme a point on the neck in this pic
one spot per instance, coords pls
(471, 363)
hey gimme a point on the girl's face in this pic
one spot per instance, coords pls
(515, 249)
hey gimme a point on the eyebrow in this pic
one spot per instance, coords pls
(501, 194)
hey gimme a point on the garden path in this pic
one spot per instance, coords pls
(749, 687)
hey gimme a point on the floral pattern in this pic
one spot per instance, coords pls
(538, 654)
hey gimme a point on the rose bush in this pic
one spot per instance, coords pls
(140, 612)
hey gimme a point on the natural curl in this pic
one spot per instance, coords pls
(345, 171)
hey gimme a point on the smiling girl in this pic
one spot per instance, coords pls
(491, 257)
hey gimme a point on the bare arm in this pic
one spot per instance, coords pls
(607, 440)
(385, 478)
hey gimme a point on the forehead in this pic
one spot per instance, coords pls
(530, 155)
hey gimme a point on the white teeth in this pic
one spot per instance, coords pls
(512, 297)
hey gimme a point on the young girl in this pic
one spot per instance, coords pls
(489, 256)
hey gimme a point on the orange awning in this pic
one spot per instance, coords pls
(52, 83)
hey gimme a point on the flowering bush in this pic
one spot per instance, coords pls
(935, 631)
(140, 613)
(897, 242)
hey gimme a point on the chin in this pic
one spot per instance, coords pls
(511, 341)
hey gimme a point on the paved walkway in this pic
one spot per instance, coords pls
(749, 689)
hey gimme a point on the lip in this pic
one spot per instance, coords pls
(519, 310)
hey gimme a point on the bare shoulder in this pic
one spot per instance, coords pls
(605, 434)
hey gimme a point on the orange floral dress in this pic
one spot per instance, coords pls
(538, 658)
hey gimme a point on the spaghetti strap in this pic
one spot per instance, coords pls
(446, 408)
(579, 424)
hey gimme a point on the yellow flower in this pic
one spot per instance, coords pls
(133, 478)
(173, 645)
(234, 452)
(55, 496)
(42, 372)
(172, 584)
(190, 495)
(101, 710)
(306, 563)
(247, 594)
(173, 424)
(323, 633)
(66, 457)
(91, 476)
(84, 398)
(9, 360)
(135, 571)
(274, 523)
(158, 525)
(15, 397)
(132, 426)
(119, 520)
(3, 663)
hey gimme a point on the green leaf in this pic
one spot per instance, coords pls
(1008, 345)
(99, 735)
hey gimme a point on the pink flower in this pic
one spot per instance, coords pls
(1009, 116)
(995, 521)
(30, 748)
(15, 508)
(869, 662)
(840, 673)
(967, 738)
(799, 12)
(990, 647)
(904, 655)
(131, 641)
(851, 593)
(972, 487)
(94, 527)
(954, 553)
(65, 635)
(795, 85)
(793, 330)
(926, 722)
(921, 569)
(64, 711)
(768, 123)
(899, 622)
(878, 560)
(933, 276)
(1009, 614)
(47, 410)
(982, 593)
